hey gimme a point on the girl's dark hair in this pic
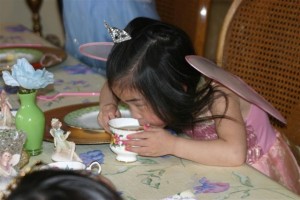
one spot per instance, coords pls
(153, 63)
(61, 185)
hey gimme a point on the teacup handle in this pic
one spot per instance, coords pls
(95, 165)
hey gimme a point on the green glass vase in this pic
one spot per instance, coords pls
(31, 119)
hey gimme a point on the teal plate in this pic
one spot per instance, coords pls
(86, 118)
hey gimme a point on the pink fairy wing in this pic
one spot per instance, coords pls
(96, 50)
(233, 83)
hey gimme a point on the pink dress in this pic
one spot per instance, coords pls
(267, 151)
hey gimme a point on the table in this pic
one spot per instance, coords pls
(166, 177)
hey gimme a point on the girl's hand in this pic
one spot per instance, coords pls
(153, 141)
(108, 104)
(107, 112)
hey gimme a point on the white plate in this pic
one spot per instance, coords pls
(86, 118)
(8, 56)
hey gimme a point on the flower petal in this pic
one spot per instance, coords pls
(8, 79)
(27, 77)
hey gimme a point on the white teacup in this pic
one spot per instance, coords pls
(120, 128)
(94, 167)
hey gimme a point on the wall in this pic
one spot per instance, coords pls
(17, 12)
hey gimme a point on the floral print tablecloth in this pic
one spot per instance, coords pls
(68, 78)
(70, 75)
(169, 177)
(18, 35)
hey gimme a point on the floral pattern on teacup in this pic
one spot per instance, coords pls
(116, 140)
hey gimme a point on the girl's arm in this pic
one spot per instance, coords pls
(108, 105)
(230, 148)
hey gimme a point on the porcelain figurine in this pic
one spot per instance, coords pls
(11, 145)
(7, 163)
(64, 150)
(7, 120)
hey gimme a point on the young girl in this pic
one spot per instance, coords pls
(149, 73)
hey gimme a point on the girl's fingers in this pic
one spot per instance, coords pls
(137, 143)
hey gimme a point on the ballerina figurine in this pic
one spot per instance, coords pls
(6, 117)
(64, 150)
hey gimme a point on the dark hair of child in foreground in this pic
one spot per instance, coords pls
(62, 185)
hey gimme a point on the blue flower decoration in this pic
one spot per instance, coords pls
(17, 28)
(207, 186)
(91, 156)
(24, 75)
(78, 69)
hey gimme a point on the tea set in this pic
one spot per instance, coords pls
(64, 155)
(94, 167)
(120, 128)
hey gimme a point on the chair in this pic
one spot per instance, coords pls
(34, 6)
(191, 16)
(260, 43)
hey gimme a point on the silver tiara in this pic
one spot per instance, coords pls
(116, 34)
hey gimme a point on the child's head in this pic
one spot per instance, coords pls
(61, 184)
(55, 123)
(152, 65)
